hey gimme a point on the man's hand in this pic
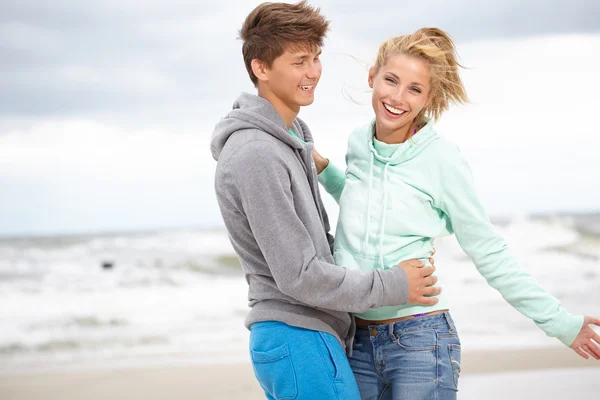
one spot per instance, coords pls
(587, 341)
(420, 282)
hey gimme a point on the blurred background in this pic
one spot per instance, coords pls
(112, 247)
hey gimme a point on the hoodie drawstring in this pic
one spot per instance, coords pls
(383, 218)
(384, 214)
(369, 204)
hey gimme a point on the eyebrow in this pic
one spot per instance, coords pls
(412, 83)
(305, 56)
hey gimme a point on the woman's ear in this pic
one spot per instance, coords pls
(428, 102)
(371, 77)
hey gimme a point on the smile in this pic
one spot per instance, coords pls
(393, 110)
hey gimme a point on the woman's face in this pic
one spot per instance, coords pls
(401, 90)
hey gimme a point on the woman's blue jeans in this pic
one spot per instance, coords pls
(413, 359)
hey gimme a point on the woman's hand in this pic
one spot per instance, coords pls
(587, 341)
(320, 162)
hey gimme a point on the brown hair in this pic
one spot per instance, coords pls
(272, 28)
(437, 48)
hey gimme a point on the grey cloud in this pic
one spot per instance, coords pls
(56, 65)
(466, 20)
(173, 61)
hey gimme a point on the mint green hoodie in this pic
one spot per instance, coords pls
(393, 206)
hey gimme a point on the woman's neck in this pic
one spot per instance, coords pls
(394, 137)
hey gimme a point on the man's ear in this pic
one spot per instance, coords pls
(259, 69)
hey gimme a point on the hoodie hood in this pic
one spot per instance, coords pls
(254, 112)
(409, 149)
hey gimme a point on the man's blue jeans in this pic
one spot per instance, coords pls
(295, 363)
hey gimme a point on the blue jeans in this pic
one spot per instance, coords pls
(295, 363)
(413, 359)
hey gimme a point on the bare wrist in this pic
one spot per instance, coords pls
(321, 164)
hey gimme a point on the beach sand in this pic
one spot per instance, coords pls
(547, 373)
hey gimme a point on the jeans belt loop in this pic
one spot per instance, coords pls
(449, 321)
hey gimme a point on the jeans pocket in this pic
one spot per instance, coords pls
(329, 354)
(418, 340)
(454, 351)
(275, 372)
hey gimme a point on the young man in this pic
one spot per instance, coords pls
(267, 189)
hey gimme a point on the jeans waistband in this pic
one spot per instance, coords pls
(428, 321)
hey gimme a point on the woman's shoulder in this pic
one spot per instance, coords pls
(446, 149)
(362, 132)
(360, 137)
(447, 155)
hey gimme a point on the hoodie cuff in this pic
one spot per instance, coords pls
(331, 177)
(571, 328)
(395, 286)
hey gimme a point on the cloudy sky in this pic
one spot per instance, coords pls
(106, 107)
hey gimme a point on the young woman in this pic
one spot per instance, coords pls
(404, 186)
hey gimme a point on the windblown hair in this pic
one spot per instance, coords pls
(437, 48)
(272, 28)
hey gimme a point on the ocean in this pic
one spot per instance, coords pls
(179, 296)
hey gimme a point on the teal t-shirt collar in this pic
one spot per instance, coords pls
(291, 131)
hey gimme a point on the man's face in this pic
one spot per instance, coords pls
(293, 77)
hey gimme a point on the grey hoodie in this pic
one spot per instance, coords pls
(267, 189)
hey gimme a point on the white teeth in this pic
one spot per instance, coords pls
(307, 87)
(393, 110)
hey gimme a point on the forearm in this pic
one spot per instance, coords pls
(489, 251)
(320, 162)
(325, 285)
(501, 270)
(333, 181)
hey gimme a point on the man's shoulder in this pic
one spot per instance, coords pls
(247, 142)
(252, 151)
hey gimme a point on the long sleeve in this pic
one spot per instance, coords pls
(479, 239)
(333, 180)
(261, 185)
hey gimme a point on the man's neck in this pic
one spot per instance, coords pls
(287, 113)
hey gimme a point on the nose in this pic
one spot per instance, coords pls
(399, 96)
(314, 72)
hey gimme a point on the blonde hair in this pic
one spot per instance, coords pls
(437, 48)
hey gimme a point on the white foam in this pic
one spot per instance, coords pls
(59, 305)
